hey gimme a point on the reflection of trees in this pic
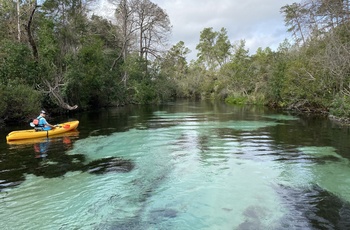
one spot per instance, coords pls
(15, 165)
(58, 164)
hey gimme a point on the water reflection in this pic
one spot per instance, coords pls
(51, 160)
(41, 148)
(41, 145)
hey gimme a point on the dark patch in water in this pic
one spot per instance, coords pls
(227, 209)
(128, 224)
(314, 208)
(253, 215)
(163, 213)
(100, 132)
(310, 208)
(110, 164)
(14, 166)
(156, 217)
(308, 159)
(58, 165)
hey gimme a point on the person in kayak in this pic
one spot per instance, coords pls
(43, 124)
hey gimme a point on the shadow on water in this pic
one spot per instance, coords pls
(155, 217)
(314, 208)
(49, 160)
(109, 164)
(311, 208)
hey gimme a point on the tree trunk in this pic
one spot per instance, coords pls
(18, 22)
(30, 37)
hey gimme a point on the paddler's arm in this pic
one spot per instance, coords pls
(52, 126)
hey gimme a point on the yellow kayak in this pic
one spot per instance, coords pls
(70, 134)
(32, 133)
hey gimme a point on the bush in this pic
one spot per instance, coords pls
(144, 93)
(236, 100)
(340, 106)
(19, 103)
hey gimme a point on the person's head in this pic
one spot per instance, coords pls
(42, 113)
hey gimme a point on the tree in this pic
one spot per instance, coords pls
(144, 23)
(12, 13)
(174, 63)
(126, 27)
(295, 18)
(261, 69)
(213, 48)
(29, 31)
(174, 68)
(240, 66)
(153, 28)
(144, 28)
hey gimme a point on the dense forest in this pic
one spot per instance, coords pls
(59, 55)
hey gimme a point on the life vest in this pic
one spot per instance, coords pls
(36, 122)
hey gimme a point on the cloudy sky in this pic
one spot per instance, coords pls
(258, 22)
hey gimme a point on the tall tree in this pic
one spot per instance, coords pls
(174, 63)
(213, 48)
(153, 28)
(295, 18)
(144, 23)
(144, 28)
(18, 21)
(126, 27)
(61, 26)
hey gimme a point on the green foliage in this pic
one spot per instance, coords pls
(236, 100)
(174, 63)
(16, 63)
(89, 81)
(93, 63)
(254, 99)
(3, 102)
(213, 48)
(136, 67)
(49, 43)
(144, 92)
(19, 102)
(340, 106)
(277, 81)
(84, 61)
(235, 77)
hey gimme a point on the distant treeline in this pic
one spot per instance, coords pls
(59, 56)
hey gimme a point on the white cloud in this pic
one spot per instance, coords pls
(259, 23)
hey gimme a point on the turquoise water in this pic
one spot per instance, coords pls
(188, 166)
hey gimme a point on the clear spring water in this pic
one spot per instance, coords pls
(195, 166)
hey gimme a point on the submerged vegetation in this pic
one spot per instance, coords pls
(56, 54)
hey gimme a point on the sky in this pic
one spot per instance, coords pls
(258, 22)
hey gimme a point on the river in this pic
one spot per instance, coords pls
(183, 165)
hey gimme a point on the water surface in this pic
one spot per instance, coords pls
(185, 165)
